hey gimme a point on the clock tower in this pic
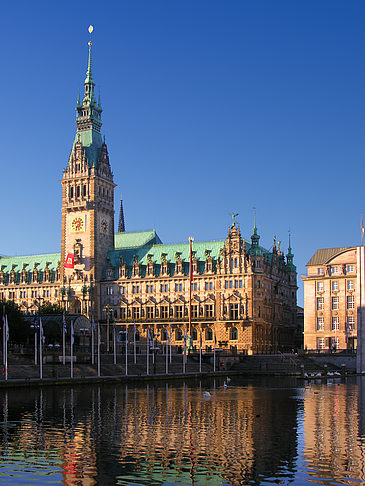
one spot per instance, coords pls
(87, 197)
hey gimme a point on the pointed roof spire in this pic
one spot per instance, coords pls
(89, 82)
(255, 237)
(89, 71)
(121, 226)
(290, 255)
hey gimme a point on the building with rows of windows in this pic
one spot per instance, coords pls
(330, 299)
(242, 295)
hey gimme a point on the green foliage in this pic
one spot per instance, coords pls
(49, 308)
(19, 329)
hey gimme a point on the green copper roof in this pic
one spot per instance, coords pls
(7, 263)
(147, 245)
(135, 240)
(156, 251)
(321, 257)
(92, 141)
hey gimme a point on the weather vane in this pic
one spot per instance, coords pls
(233, 220)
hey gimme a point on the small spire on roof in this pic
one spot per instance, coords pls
(255, 237)
(121, 226)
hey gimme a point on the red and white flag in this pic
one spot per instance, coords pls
(362, 230)
(70, 260)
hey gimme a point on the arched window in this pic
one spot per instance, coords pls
(194, 334)
(233, 335)
(78, 191)
(209, 334)
(178, 334)
(164, 336)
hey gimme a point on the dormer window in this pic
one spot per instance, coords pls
(164, 265)
(136, 269)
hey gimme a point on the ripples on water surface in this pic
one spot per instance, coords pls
(258, 432)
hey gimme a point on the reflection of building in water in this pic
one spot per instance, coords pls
(101, 434)
(332, 446)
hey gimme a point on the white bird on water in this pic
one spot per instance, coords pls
(206, 395)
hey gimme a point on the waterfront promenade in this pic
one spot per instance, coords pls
(22, 372)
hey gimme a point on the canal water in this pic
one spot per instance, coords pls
(264, 431)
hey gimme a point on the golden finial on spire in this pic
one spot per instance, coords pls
(90, 29)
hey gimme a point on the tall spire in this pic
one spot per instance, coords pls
(89, 82)
(121, 226)
(88, 118)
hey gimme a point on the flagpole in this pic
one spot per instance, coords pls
(63, 340)
(200, 353)
(92, 342)
(191, 280)
(126, 349)
(360, 333)
(114, 347)
(170, 344)
(40, 349)
(167, 359)
(184, 355)
(72, 351)
(4, 336)
(6, 347)
(134, 344)
(35, 341)
(214, 353)
(153, 348)
(147, 351)
(98, 348)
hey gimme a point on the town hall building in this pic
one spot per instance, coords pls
(234, 293)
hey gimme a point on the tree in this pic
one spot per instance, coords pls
(49, 308)
(19, 329)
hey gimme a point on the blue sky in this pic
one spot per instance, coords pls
(210, 107)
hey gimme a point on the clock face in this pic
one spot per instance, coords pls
(77, 224)
(104, 226)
